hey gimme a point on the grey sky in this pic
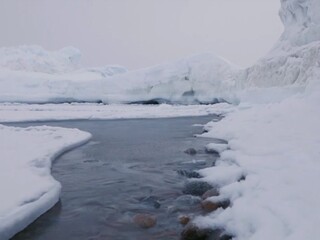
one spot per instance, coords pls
(139, 33)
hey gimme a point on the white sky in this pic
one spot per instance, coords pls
(139, 33)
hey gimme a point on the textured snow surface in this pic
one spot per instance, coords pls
(46, 112)
(301, 20)
(276, 146)
(295, 58)
(27, 188)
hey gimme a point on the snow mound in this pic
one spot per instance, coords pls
(107, 71)
(27, 188)
(192, 80)
(36, 59)
(195, 79)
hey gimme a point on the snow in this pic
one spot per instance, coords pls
(273, 139)
(268, 168)
(36, 59)
(276, 146)
(27, 188)
(46, 112)
(191, 80)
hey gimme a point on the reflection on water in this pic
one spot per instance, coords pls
(129, 167)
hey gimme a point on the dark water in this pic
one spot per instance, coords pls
(105, 180)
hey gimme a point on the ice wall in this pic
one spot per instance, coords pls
(295, 58)
(301, 19)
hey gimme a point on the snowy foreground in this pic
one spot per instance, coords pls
(27, 187)
(276, 147)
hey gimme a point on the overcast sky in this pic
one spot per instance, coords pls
(139, 33)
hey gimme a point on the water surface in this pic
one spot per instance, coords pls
(105, 181)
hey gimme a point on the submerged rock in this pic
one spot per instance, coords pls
(189, 173)
(210, 193)
(193, 232)
(151, 201)
(191, 151)
(145, 220)
(184, 220)
(196, 188)
(187, 200)
(210, 206)
(212, 151)
(184, 203)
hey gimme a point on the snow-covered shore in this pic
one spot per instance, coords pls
(26, 185)
(276, 146)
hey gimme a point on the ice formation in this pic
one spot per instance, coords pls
(295, 59)
(201, 78)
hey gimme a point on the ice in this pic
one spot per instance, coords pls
(294, 60)
(27, 188)
(195, 79)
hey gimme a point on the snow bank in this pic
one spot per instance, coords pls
(192, 80)
(27, 188)
(277, 147)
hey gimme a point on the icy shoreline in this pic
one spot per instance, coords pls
(275, 147)
(27, 155)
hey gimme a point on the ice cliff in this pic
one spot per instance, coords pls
(295, 58)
